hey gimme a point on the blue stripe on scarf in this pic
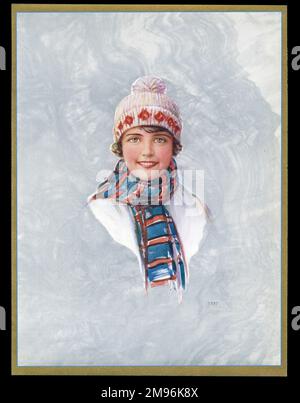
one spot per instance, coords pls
(182, 273)
(159, 251)
(155, 230)
(160, 271)
(155, 210)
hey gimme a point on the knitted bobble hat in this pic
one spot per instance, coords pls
(147, 105)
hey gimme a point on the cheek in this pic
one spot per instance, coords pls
(165, 155)
(130, 153)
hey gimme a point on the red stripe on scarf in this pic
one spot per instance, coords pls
(161, 239)
(155, 219)
(117, 194)
(159, 261)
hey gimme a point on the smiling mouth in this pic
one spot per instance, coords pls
(147, 164)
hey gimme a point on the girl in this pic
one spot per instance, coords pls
(142, 203)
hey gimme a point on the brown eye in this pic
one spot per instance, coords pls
(133, 139)
(161, 139)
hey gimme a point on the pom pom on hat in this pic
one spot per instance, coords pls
(147, 105)
(149, 84)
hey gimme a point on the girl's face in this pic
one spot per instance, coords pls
(147, 153)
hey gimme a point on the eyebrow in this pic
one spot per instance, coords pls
(162, 134)
(154, 134)
(132, 134)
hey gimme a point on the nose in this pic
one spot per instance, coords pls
(147, 148)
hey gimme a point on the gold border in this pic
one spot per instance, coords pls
(141, 7)
(284, 198)
(14, 194)
(153, 370)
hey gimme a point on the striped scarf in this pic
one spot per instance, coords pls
(158, 239)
